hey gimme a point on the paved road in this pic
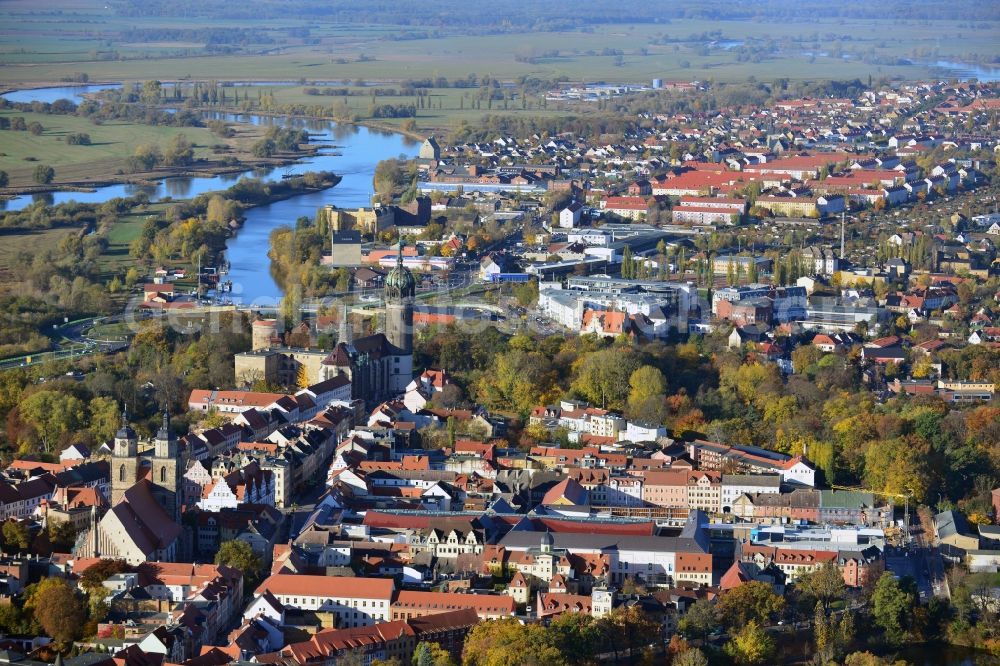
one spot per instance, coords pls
(921, 561)
(932, 566)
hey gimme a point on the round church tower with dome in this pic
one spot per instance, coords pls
(400, 288)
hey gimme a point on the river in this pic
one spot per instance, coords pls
(353, 154)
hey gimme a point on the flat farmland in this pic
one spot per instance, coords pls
(111, 143)
(29, 241)
(87, 36)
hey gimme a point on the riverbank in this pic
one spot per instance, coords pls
(153, 177)
(350, 150)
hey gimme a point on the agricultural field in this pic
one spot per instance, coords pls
(115, 259)
(15, 241)
(88, 37)
(111, 143)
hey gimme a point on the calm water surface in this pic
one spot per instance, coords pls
(351, 152)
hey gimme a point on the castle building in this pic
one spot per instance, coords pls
(380, 366)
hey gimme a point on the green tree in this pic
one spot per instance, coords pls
(603, 376)
(53, 414)
(94, 576)
(220, 209)
(899, 465)
(104, 418)
(302, 378)
(825, 584)
(627, 628)
(146, 156)
(690, 657)
(14, 621)
(646, 382)
(751, 646)
(58, 609)
(892, 608)
(822, 638)
(264, 148)
(431, 654)
(387, 178)
(179, 152)
(151, 91)
(846, 631)
(16, 536)
(628, 266)
(239, 555)
(576, 635)
(700, 620)
(869, 659)
(62, 536)
(507, 642)
(805, 356)
(647, 393)
(753, 601)
(517, 380)
(44, 174)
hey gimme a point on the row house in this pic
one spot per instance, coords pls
(704, 490)
(794, 563)
(24, 499)
(852, 507)
(394, 641)
(409, 604)
(792, 469)
(617, 491)
(666, 488)
(447, 544)
(800, 504)
(249, 485)
(855, 565)
(552, 457)
(735, 485)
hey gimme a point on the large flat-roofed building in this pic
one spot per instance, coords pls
(655, 307)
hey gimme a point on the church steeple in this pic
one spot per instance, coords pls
(126, 441)
(400, 289)
(165, 444)
(124, 460)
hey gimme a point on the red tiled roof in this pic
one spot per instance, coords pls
(326, 586)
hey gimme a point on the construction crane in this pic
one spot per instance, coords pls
(906, 505)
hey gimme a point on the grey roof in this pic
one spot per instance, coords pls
(573, 541)
(950, 523)
(756, 480)
(990, 531)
